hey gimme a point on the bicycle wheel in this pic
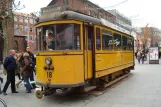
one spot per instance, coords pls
(3, 103)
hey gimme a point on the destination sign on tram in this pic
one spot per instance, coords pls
(50, 9)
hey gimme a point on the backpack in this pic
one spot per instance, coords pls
(31, 64)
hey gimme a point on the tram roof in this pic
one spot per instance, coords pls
(67, 15)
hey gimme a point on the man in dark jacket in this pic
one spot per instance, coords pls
(10, 66)
(31, 55)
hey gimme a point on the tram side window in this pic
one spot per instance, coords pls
(124, 42)
(38, 39)
(107, 43)
(130, 44)
(49, 37)
(67, 39)
(117, 41)
(76, 37)
(98, 39)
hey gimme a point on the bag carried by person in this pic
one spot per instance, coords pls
(31, 64)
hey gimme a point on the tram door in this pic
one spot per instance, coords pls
(88, 31)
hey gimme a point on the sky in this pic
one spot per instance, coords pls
(141, 12)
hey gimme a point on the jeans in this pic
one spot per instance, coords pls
(27, 83)
(31, 80)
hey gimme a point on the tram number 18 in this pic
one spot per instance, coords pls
(49, 74)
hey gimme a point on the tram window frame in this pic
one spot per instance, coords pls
(78, 33)
(98, 39)
(107, 33)
(89, 33)
(124, 45)
(38, 38)
(62, 37)
(130, 44)
(117, 36)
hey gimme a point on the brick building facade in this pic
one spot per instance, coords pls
(85, 7)
(24, 32)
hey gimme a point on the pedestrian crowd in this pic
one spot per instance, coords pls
(141, 56)
(21, 65)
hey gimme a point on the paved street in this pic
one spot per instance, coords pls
(142, 89)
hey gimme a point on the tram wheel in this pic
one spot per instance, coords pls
(39, 94)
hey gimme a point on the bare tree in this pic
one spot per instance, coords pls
(6, 18)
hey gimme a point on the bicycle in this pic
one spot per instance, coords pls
(3, 102)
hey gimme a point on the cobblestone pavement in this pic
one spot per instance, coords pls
(142, 89)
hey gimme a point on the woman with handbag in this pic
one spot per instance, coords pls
(26, 72)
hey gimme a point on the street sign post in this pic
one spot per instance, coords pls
(153, 55)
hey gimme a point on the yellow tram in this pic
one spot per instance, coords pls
(77, 50)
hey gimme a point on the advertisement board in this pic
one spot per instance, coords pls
(153, 53)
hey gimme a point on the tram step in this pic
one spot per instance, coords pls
(89, 88)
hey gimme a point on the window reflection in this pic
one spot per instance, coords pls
(61, 37)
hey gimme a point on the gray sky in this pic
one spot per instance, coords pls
(141, 12)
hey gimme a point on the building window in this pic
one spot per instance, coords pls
(15, 26)
(21, 27)
(26, 37)
(26, 28)
(34, 21)
(89, 12)
(15, 18)
(31, 21)
(21, 18)
(30, 37)
(34, 37)
(117, 41)
(66, 2)
(107, 43)
(31, 29)
(98, 39)
(26, 19)
(16, 45)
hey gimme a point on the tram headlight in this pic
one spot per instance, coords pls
(48, 61)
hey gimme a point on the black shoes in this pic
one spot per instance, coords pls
(28, 91)
(4, 93)
(15, 92)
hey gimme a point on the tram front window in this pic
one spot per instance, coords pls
(61, 37)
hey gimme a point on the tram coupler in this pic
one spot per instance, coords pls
(45, 91)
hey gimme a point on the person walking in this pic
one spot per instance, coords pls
(31, 56)
(19, 71)
(10, 66)
(139, 56)
(136, 54)
(142, 57)
(26, 72)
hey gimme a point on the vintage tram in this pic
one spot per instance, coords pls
(79, 51)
